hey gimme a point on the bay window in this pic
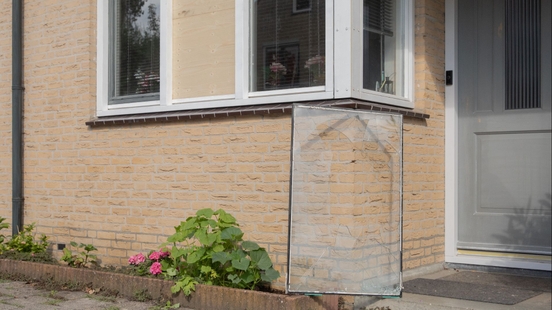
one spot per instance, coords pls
(168, 55)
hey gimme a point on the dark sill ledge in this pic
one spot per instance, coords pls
(247, 110)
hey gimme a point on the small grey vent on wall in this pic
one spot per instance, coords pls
(522, 39)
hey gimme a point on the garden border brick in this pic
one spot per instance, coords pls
(204, 297)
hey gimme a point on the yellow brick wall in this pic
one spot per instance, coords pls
(123, 188)
(5, 112)
(424, 143)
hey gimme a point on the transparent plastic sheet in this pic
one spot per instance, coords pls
(345, 202)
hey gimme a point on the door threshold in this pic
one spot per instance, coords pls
(533, 257)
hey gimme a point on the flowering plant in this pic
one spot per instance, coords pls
(137, 259)
(277, 70)
(146, 82)
(208, 248)
(317, 68)
(150, 264)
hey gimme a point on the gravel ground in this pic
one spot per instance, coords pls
(16, 295)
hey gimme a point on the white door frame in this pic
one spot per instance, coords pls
(451, 167)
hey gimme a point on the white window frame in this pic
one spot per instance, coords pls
(102, 79)
(407, 29)
(343, 52)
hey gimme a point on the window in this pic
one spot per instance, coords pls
(134, 60)
(385, 51)
(287, 50)
(167, 55)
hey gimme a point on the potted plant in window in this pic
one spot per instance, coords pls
(317, 70)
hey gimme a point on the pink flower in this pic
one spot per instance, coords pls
(316, 60)
(155, 268)
(277, 67)
(137, 259)
(158, 255)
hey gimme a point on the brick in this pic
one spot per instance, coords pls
(124, 187)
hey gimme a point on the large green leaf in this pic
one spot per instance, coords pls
(270, 275)
(189, 224)
(221, 257)
(248, 277)
(261, 258)
(238, 254)
(165, 265)
(178, 252)
(241, 264)
(218, 248)
(176, 288)
(171, 272)
(207, 212)
(212, 223)
(224, 225)
(203, 222)
(211, 238)
(206, 269)
(196, 255)
(203, 237)
(177, 237)
(234, 278)
(227, 218)
(231, 233)
(250, 246)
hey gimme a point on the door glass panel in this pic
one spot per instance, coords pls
(345, 212)
(522, 33)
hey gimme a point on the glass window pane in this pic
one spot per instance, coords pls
(287, 44)
(136, 51)
(345, 211)
(383, 46)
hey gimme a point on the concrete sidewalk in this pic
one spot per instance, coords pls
(419, 302)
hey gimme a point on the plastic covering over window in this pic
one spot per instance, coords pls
(345, 206)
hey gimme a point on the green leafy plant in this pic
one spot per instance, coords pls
(82, 258)
(2, 226)
(142, 295)
(24, 241)
(166, 306)
(214, 253)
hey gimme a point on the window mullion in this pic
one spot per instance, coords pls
(343, 34)
(329, 46)
(166, 53)
(242, 68)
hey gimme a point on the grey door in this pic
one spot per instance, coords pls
(504, 126)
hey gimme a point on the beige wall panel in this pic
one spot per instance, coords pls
(203, 48)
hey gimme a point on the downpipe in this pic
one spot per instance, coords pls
(17, 116)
